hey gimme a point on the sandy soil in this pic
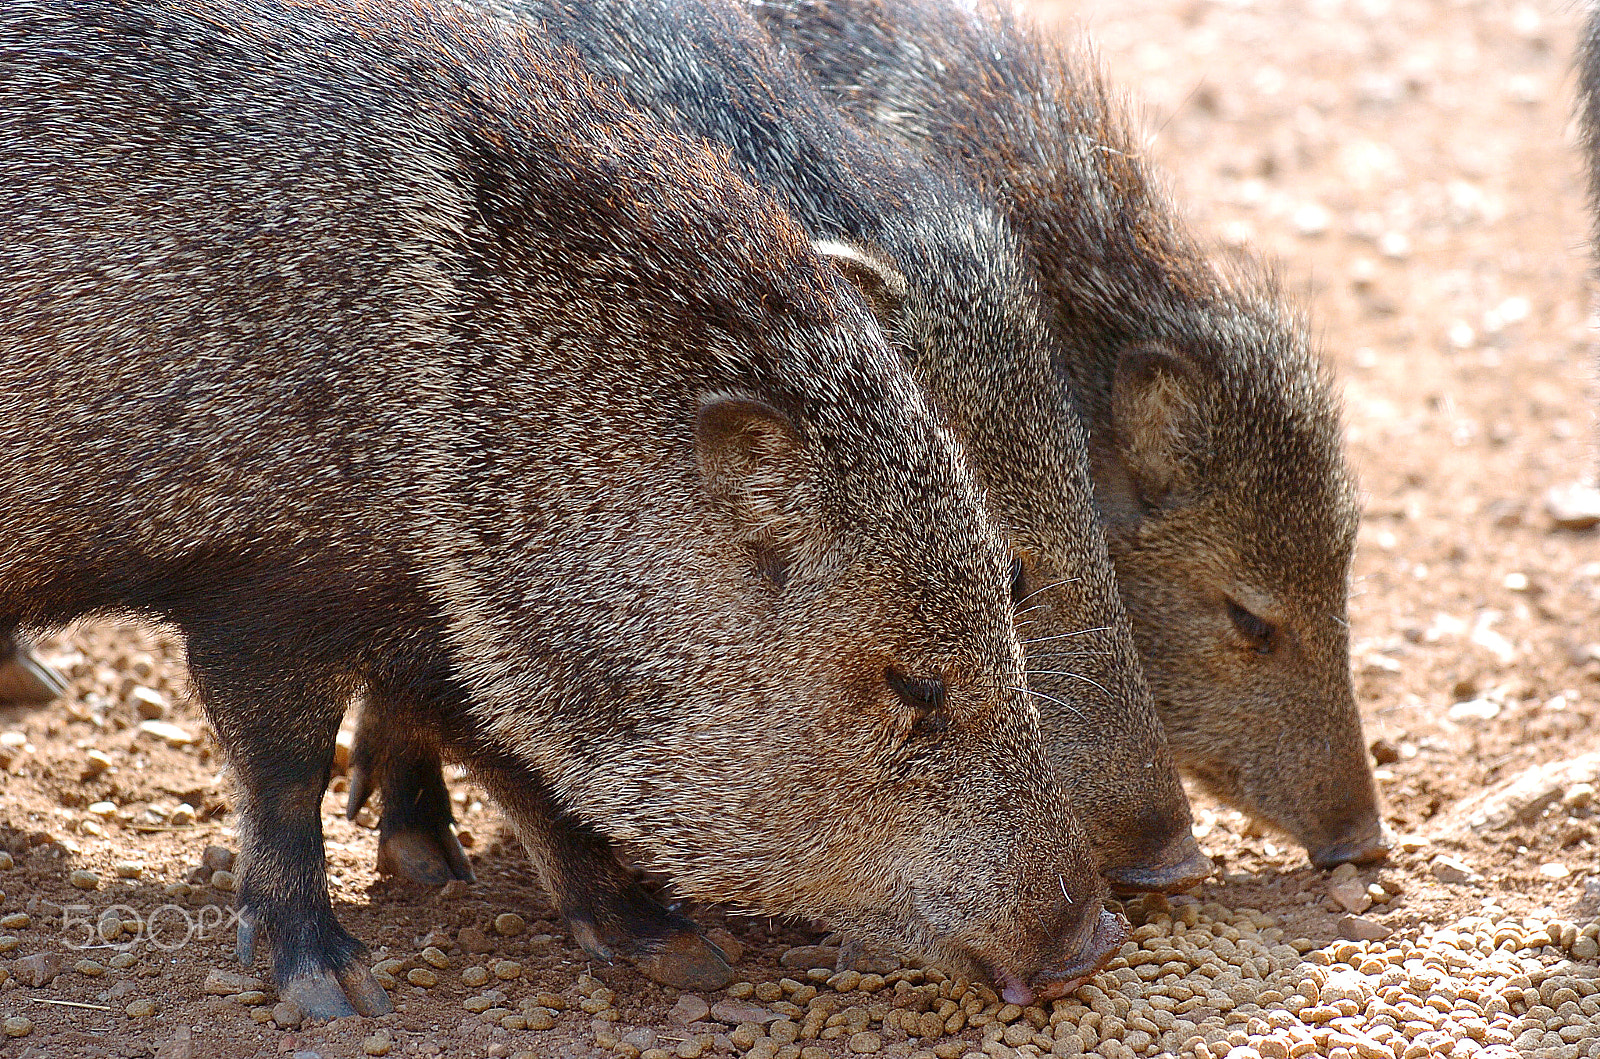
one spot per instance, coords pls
(1412, 163)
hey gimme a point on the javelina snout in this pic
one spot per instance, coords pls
(900, 788)
(1273, 730)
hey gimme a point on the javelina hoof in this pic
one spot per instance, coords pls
(323, 996)
(26, 681)
(688, 962)
(1110, 932)
(1190, 867)
(430, 859)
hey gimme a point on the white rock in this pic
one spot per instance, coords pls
(1574, 506)
(167, 732)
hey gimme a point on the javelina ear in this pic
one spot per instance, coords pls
(883, 285)
(756, 469)
(1158, 428)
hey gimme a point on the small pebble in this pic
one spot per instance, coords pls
(378, 1044)
(127, 869)
(84, 880)
(217, 858)
(509, 924)
(142, 1008)
(89, 968)
(473, 940)
(435, 957)
(15, 921)
(18, 1026)
(506, 970)
(287, 1014)
(421, 976)
(224, 881)
(183, 815)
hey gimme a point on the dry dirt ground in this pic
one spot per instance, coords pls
(1412, 164)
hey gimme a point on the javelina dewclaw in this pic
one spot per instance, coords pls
(1214, 430)
(383, 351)
(944, 273)
(24, 679)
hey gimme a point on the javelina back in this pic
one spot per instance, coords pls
(945, 274)
(1214, 430)
(384, 351)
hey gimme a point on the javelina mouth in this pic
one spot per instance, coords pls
(1110, 931)
(1181, 866)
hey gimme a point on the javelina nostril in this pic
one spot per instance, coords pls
(1180, 866)
(1108, 931)
(1368, 847)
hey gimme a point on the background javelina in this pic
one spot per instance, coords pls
(24, 679)
(367, 330)
(1214, 431)
(945, 275)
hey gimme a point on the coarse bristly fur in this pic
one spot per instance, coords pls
(374, 347)
(944, 273)
(1214, 428)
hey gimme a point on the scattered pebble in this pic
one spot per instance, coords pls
(127, 869)
(18, 1026)
(378, 1044)
(84, 880)
(689, 1008)
(1450, 870)
(287, 1014)
(37, 970)
(421, 976)
(1575, 506)
(507, 969)
(509, 924)
(228, 983)
(217, 858)
(476, 976)
(182, 816)
(142, 1008)
(167, 732)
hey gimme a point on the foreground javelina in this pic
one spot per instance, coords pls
(24, 679)
(1214, 430)
(368, 330)
(945, 273)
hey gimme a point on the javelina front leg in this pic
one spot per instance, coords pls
(279, 727)
(416, 829)
(24, 680)
(609, 913)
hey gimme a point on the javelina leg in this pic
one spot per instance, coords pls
(24, 680)
(416, 829)
(278, 726)
(609, 913)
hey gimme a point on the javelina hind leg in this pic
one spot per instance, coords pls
(24, 680)
(278, 726)
(609, 913)
(416, 829)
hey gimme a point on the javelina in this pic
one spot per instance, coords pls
(383, 350)
(24, 679)
(1214, 431)
(944, 272)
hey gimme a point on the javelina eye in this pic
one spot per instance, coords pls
(1019, 582)
(924, 696)
(1258, 631)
